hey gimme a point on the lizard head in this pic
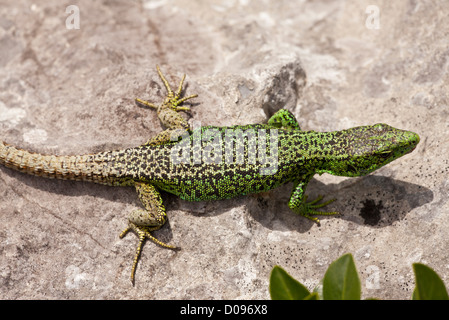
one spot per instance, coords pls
(361, 150)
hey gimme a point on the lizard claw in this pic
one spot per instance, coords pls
(143, 233)
(309, 209)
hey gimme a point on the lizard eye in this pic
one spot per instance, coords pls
(385, 154)
(379, 127)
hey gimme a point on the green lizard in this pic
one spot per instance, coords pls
(212, 163)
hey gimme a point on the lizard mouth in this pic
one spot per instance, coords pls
(414, 139)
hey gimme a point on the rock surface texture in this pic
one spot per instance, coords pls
(334, 64)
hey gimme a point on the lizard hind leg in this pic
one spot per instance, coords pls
(142, 222)
(143, 233)
(168, 113)
(172, 100)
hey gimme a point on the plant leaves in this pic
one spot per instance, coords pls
(312, 296)
(429, 285)
(285, 287)
(341, 281)
(319, 290)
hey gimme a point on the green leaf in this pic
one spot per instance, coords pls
(285, 287)
(429, 285)
(341, 281)
(415, 294)
(312, 296)
(319, 290)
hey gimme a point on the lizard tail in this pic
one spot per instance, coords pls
(89, 167)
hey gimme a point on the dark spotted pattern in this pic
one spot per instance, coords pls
(213, 163)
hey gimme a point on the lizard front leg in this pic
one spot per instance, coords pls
(142, 222)
(298, 201)
(284, 119)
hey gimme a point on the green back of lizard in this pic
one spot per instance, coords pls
(223, 162)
